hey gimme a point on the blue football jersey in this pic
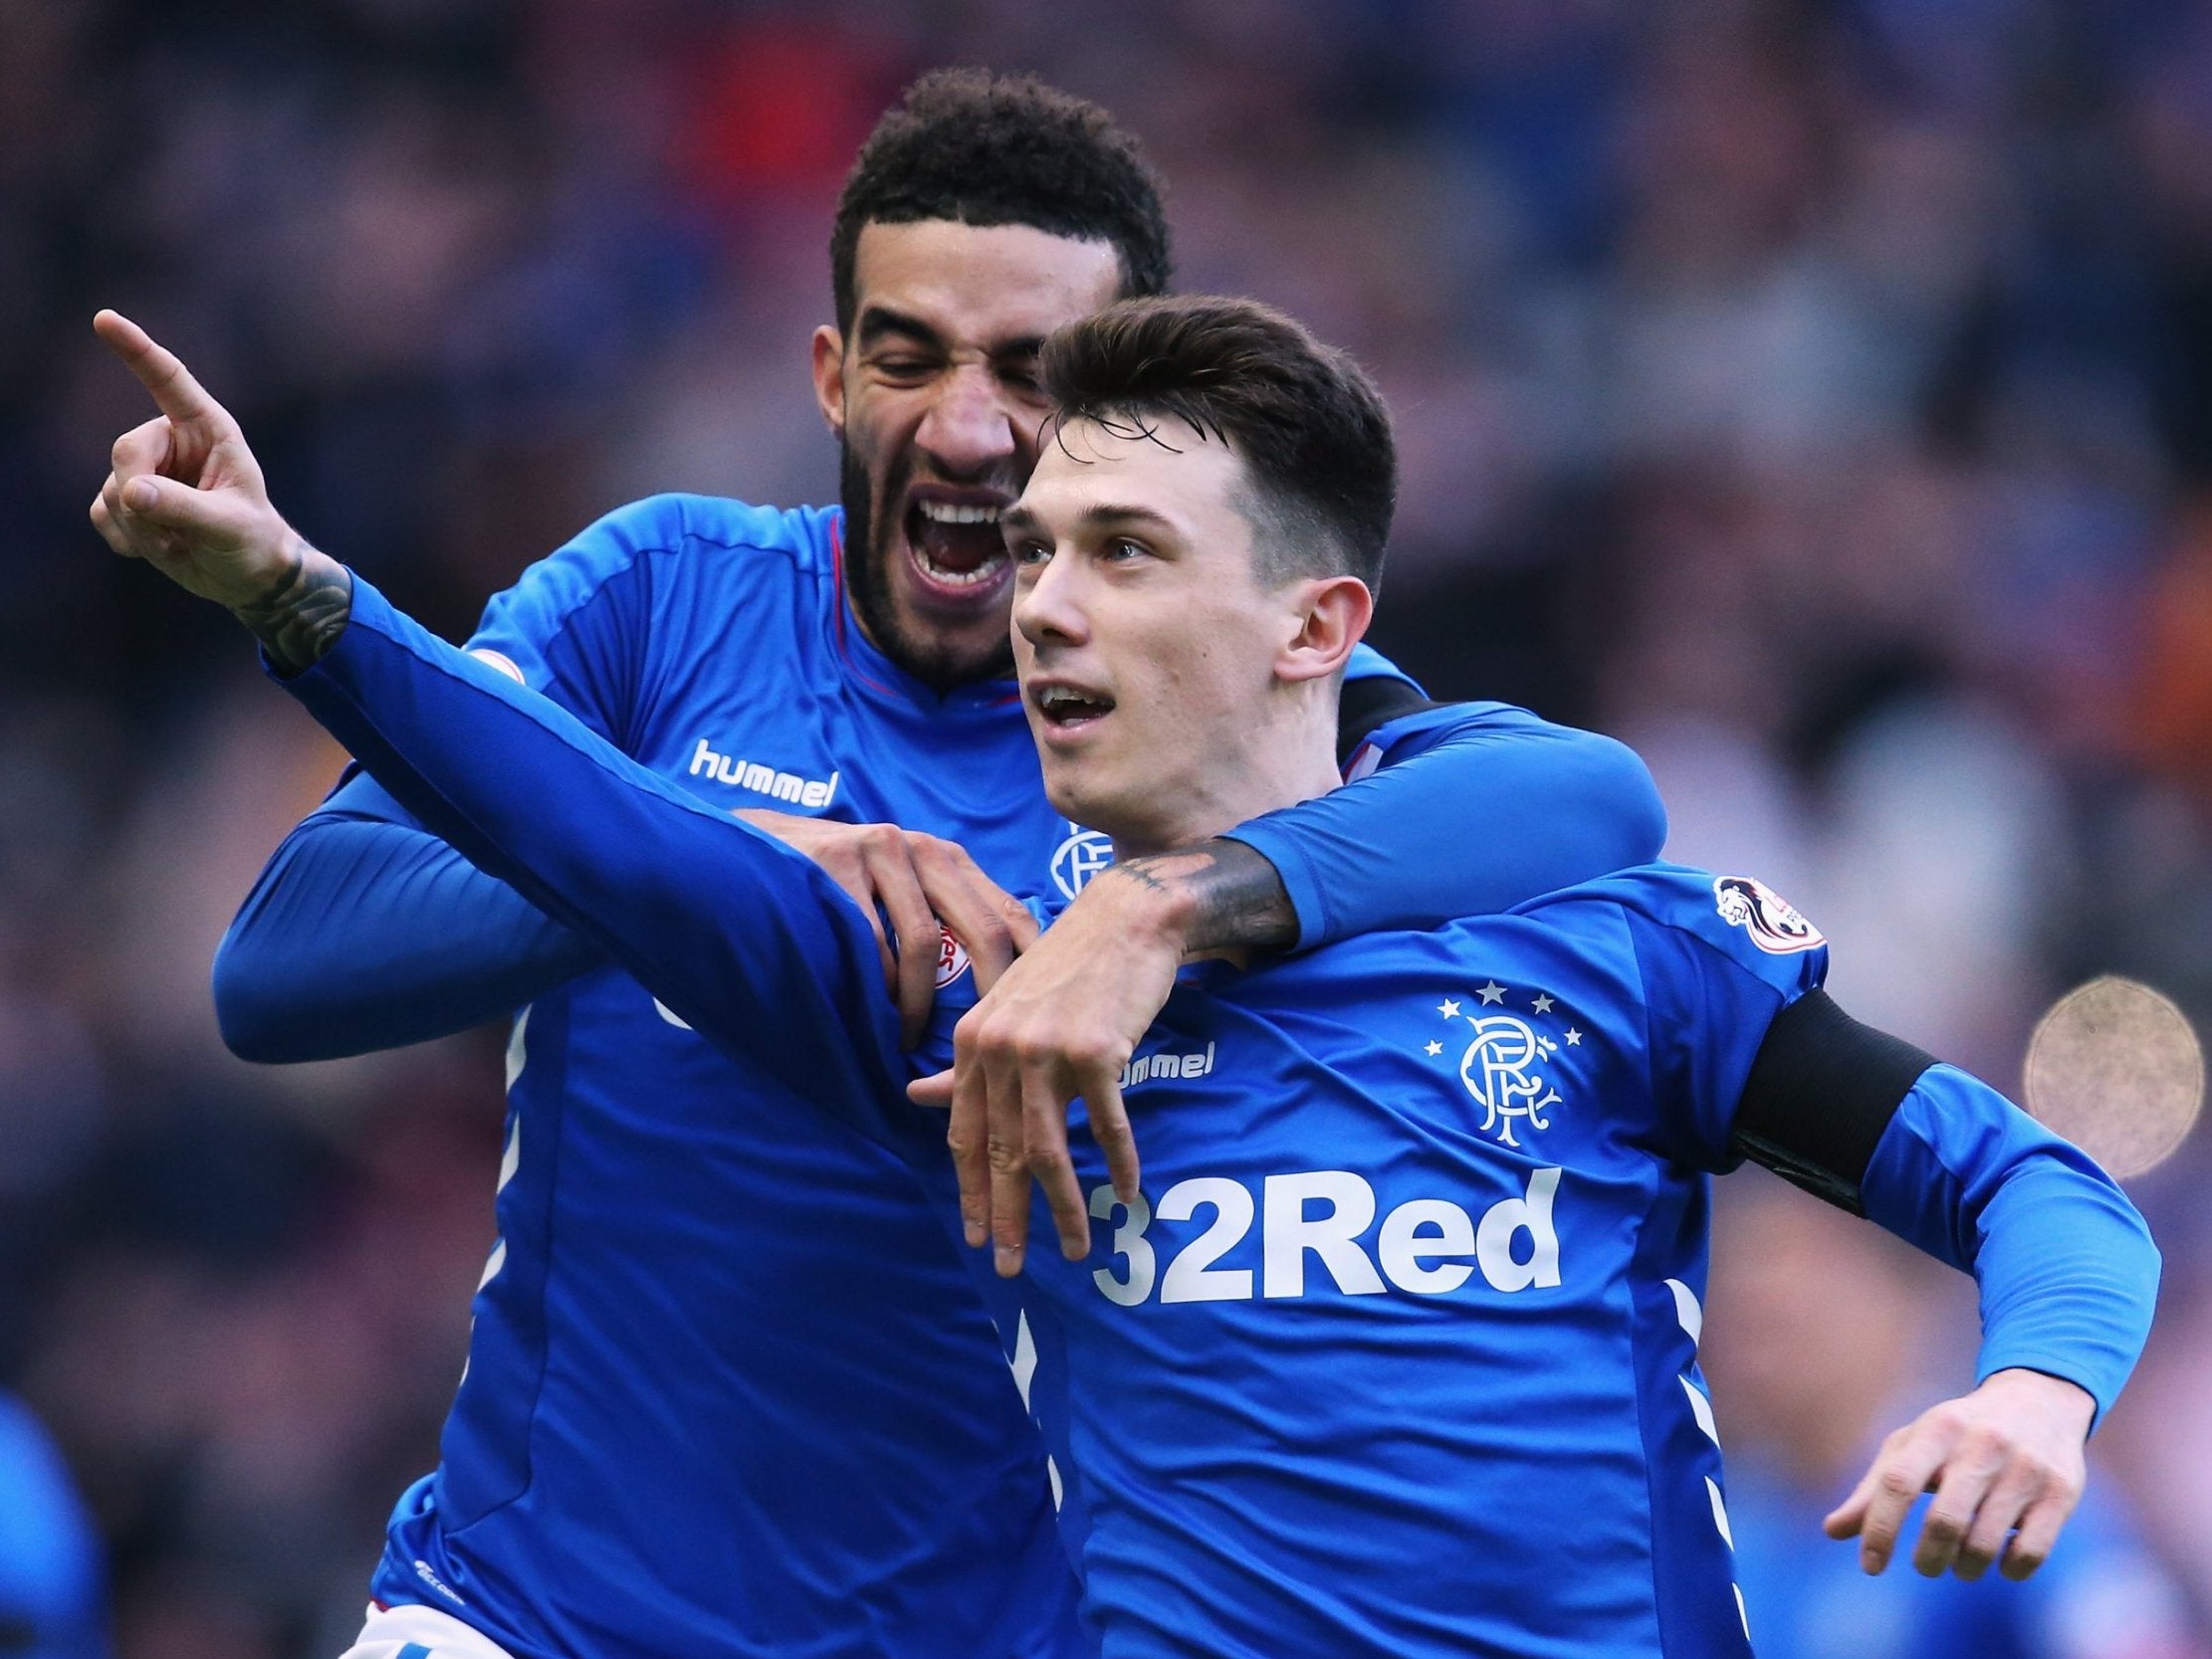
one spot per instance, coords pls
(1397, 1350)
(729, 1390)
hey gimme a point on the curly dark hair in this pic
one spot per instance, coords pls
(1313, 430)
(986, 150)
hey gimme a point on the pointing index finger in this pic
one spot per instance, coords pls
(159, 370)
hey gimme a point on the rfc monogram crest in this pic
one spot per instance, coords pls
(1500, 1072)
(1506, 1069)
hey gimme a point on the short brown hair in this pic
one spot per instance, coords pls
(1308, 423)
(987, 149)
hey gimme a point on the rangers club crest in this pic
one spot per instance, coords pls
(1772, 921)
(1507, 1068)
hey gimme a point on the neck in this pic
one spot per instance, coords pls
(1284, 762)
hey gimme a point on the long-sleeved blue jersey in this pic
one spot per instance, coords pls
(1397, 1352)
(729, 1391)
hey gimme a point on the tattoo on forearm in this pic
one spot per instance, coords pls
(302, 617)
(1238, 899)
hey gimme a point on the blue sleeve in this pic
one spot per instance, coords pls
(2064, 1262)
(746, 941)
(367, 931)
(2064, 1266)
(1475, 807)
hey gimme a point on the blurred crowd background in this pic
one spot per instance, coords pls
(1817, 395)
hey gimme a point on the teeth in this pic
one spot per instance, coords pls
(949, 512)
(960, 578)
(1058, 697)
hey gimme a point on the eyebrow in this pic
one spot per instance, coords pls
(1104, 515)
(878, 320)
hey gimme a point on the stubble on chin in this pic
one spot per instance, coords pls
(938, 663)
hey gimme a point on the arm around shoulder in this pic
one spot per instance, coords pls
(1473, 808)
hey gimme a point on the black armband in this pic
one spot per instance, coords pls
(1370, 703)
(1822, 1090)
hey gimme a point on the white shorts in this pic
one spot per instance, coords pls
(406, 1632)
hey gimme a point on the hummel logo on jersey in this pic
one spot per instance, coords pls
(1503, 1068)
(1420, 1246)
(808, 792)
(1149, 1066)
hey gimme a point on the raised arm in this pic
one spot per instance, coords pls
(719, 921)
(716, 919)
(365, 931)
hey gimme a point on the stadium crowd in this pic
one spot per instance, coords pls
(1813, 395)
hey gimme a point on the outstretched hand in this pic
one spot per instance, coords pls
(2005, 1464)
(185, 494)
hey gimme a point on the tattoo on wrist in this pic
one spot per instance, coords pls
(1235, 897)
(300, 618)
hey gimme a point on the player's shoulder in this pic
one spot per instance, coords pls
(716, 533)
(1738, 914)
(675, 554)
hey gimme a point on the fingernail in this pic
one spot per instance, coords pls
(976, 1233)
(1008, 1257)
(140, 494)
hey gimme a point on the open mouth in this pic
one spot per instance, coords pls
(1065, 709)
(956, 548)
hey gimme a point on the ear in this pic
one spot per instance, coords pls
(829, 377)
(1331, 614)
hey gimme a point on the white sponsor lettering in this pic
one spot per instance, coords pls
(1423, 1245)
(1191, 1276)
(788, 788)
(1424, 1230)
(1287, 1232)
(1503, 1223)
(1134, 1284)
